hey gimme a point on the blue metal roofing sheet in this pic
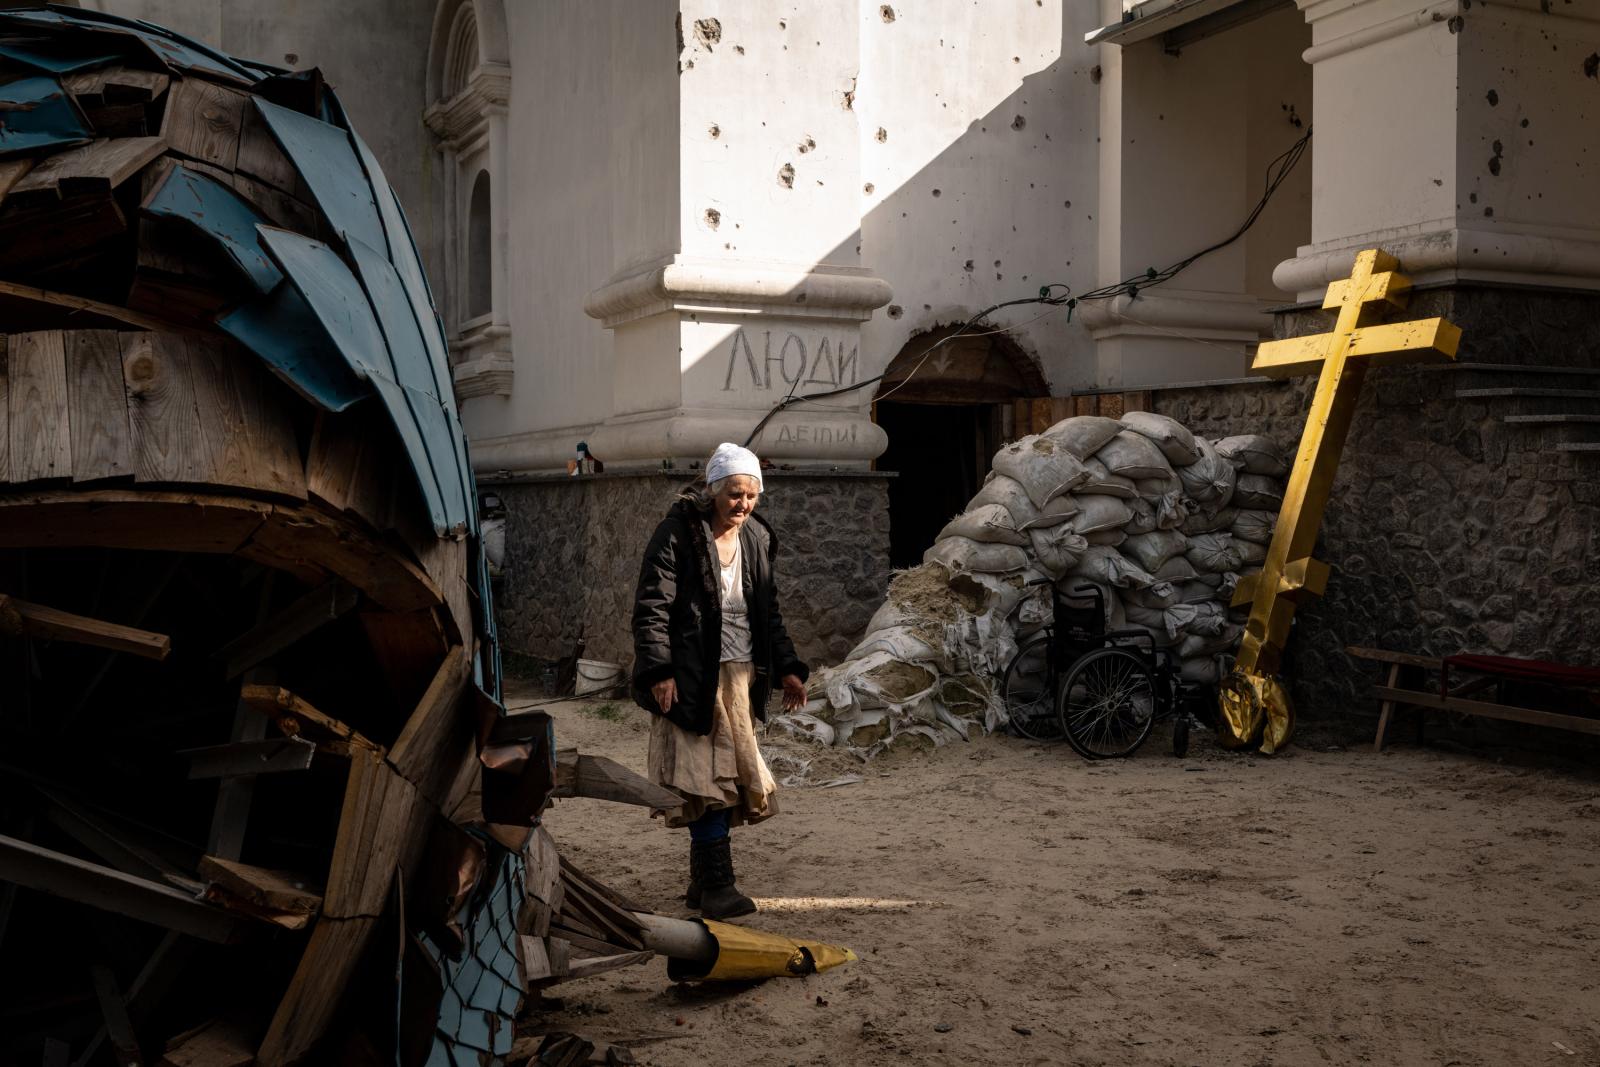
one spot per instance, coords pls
(220, 213)
(35, 113)
(322, 153)
(173, 49)
(40, 56)
(283, 331)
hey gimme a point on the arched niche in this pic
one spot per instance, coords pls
(469, 96)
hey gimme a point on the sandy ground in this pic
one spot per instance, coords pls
(1012, 903)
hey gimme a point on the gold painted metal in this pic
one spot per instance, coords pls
(1254, 705)
(744, 954)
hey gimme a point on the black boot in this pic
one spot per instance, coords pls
(691, 895)
(711, 868)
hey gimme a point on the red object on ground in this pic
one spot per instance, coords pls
(1531, 670)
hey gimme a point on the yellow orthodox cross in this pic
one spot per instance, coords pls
(1253, 702)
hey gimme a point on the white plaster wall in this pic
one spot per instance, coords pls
(1277, 95)
(964, 210)
(592, 141)
(1528, 146)
(770, 160)
(373, 52)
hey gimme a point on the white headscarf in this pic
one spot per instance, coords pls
(730, 459)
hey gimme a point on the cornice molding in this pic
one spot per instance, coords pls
(745, 287)
(464, 115)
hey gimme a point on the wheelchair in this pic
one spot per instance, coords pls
(1101, 690)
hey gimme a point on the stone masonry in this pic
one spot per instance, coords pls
(1448, 530)
(574, 545)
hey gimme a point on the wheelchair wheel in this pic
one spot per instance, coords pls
(1108, 703)
(1029, 692)
(1180, 735)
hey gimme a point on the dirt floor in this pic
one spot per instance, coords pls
(1012, 903)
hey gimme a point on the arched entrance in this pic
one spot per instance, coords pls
(946, 413)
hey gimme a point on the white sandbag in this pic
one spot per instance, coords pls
(1223, 584)
(1194, 644)
(1209, 480)
(808, 727)
(1176, 569)
(1252, 525)
(1083, 435)
(1259, 492)
(1171, 512)
(889, 614)
(1100, 513)
(1254, 454)
(1133, 456)
(1157, 596)
(1055, 512)
(1144, 516)
(1001, 593)
(1166, 624)
(1202, 521)
(1152, 550)
(1251, 553)
(1153, 488)
(1203, 671)
(962, 555)
(985, 522)
(1110, 538)
(1108, 567)
(897, 642)
(1196, 592)
(1103, 483)
(1212, 553)
(1009, 494)
(1172, 437)
(1056, 549)
(1208, 619)
(1045, 468)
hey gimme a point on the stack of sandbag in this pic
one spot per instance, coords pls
(1161, 522)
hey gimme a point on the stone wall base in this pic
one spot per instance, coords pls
(574, 545)
(1449, 530)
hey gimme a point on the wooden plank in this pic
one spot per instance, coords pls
(58, 235)
(381, 830)
(435, 718)
(149, 987)
(294, 715)
(41, 433)
(306, 536)
(95, 168)
(581, 937)
(260, 157)
(220, 403)
(1431, 663)
(315, 992)
(11, 172)
(533, 959)
(239, 759)
(118, 120)
(5, 409)
(1414, 698)
(167, 442)
(583, 775)
(97, 406)
(280, 890)
(409, 646)
(600, 964)
(217, 1044)
(269, 430)
(32, 867)
(37, 620)
(1386, 711)
(332, 459)
(26, 307)
(280, 208)
(203, 121)
(120, 84)
(299, 620)
(121, 846)
(116, 518)
(119, 1028)
(626, 906)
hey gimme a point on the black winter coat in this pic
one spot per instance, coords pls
(677, 617)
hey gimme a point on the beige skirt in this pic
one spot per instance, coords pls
(722, 769)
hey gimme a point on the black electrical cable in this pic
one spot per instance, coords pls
(1277, 171)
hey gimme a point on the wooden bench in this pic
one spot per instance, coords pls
(1490, 672)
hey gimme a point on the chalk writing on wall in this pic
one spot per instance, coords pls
(786, 362)
(817, 435)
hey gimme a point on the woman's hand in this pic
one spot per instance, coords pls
(794, 693)
(666, 693)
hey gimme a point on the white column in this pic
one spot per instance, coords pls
(1460, 137)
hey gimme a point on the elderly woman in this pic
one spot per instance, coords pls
(708, 641)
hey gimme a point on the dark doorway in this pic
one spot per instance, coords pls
(947, 404)
(941, 453)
